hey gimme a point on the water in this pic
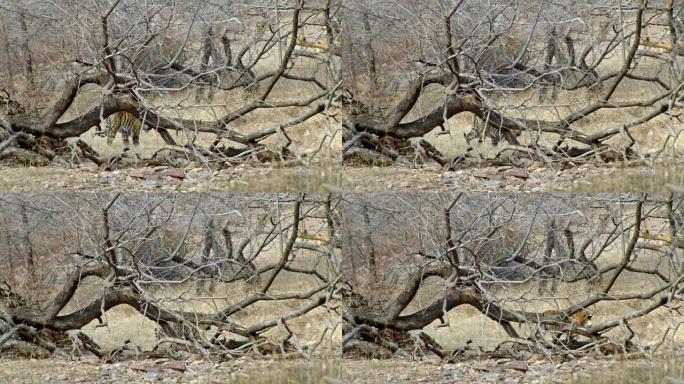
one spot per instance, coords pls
(294, 372)
(314, 179)
(639, 372)
(659, 179)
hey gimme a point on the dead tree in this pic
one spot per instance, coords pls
(462, 67)
(137, 251)
(28, 58)
(459, 270)
(138, 59)
(30, 264)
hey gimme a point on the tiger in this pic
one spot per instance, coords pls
(581, 318)
(314, 46)
(321, 238)
(480, 129)
(564, 324)
(129, 125)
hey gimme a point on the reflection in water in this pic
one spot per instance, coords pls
(660, 179)
(293, 372)
(639, 372)
(315, 179)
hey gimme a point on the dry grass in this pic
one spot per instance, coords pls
(123, 324)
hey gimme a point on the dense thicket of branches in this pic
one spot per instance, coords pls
(513, 257)
(582, 80)
(218, 274)
(192, 67)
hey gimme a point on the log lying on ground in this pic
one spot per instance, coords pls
(30, 340)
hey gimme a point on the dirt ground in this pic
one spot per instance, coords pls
(333, 371)
(242, 178)
(241, 370)
(542, 370)
(585, 178)
(253, 178)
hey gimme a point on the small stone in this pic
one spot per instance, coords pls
(517, 365)
(151, 376)
(493, 184)
(103, 180)
(303, 172)
(449, 178)
(105, 372)
(193, 165)
(175, 173)
(178, 366)
(139, 174)
(151, 182)
(647, 173)
(519, 173)
(169, 188)
(90, 361)
(142, 366)
(483, 175)
(483, 366)
(492, 376)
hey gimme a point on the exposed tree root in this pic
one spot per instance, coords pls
(18, 147)
(23, 339)
(369, 341)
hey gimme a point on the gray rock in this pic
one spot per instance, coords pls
(493, 184)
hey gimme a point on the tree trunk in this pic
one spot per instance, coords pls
(550, 241)
(228, 239)
(30, 266)
(372, 65)
(227, 50)
(206, 55)
(10, 254)
(28, 59)
(206, 253)
(8, 57)
(369, 243)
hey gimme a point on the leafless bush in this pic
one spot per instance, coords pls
(530, 263)
(582, 81)
(212, 72)
(218, 274)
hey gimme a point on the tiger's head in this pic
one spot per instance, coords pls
(582, 318)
